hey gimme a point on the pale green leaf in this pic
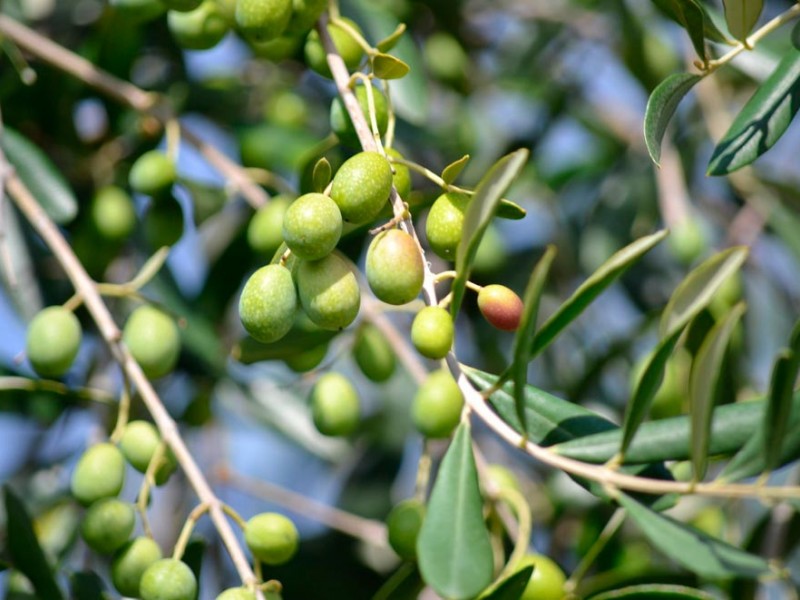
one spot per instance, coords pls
(741, 16)
(386, 66)
(391, 40)
(321, 175)
(453, 170)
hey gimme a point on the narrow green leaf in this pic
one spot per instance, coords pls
(453, 170)
(741, 16)
(763, 119)
(523, 340)
(404, 584)
(87, 585)
(654, 591)
(661, 106)
(23, 546)
(694, 549)
(703, 381)
(321, 175)
(510, 210)
(698, 288)
(454, 551)
(779, 405)
(480, 211)
(386, 66)
(691, 15)
(646, 389)
(512, 586)
(597, 282)
(391, 40)
(40, 176)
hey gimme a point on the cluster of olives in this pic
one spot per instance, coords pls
(153, 174)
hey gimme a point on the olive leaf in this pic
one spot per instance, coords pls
(661, 105)
(386, 66)
(692, 16)
(321, 175)
(741, 16)
(453, 170)
(510, 210)
(391, 40)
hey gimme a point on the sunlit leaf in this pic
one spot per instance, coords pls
(594, 285)
(391, 40)
(703, 381)
(40, 176)
(763, 120)
(454, 551)
(661, 106)
(480, 210)
(453, 170)
(695, 550)
(321, 176)
(741, 16)
(386, 66)
(698, 288)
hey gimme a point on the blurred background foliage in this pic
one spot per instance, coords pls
(567, 79)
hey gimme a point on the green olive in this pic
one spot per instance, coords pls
(547, 580)
(265, 231)
(432, 332)
(139, 442)
(500, 306)
(130, 562)
(238, 593)
(312, 226)
(53, 339)
(108, 524)
(304, 14)
(402, 175)
(361, 186)
(268, 303)
(394, 267)
(403, 524)
(342, 125)
(373, 354)
(263, 20)
(335, 405)
(437, 405)
(445, 224)
(271, 537)
(305, 361)
(277, 49)
(100, 473)
(329, 291)
(152, 174)
(201, 29)
(168, 579)
(112, 213)
(350, 50)
(153, 339)
(182, 5)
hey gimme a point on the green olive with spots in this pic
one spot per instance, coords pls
(444, 226)
(394, 267)
(361, 187)
(312, 226)
(268, 303)
(432, 332)
(329, 291)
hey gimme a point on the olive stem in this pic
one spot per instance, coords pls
(56, 387)
(229, 510)
(433, 177)
(188, 527)
(172, 131)
(524, 523)
(123, 412)
(613, 525)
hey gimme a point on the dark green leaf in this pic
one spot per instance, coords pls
(386, 66)
(453, 170)
(480, 210)
(523, 340)
(698, 288)
(40, 176)
(87, 585)
(193, 555)
(646, 389)
(510, 210)
(702, 386)
(763, 119)
(779, 405)
(512, 586)
(655, 591)
(661, 106)
(391, 40)
(694, 549)
(597, 282)
(741, 16)
(404, 584)
(454, 551)
(26, 553)
(691, 15)
(321, 176)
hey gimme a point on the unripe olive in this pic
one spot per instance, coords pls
(271, 537)
(445, 224)
(139, 442)
(373, 354)
(503, 478)
(432, 332)
(350, 51)
(312, 226)
(130, 562)
(402, 175)
(138, 10)
(168, 579)
(263, 20)
(108, 524)
(238, 593)
(436, 408)
(444, 58)
(153, 173)
(201, 29)
(500, 306)
(394, 267)
(153, 339)
(265, 231)
(329, 291)
(268, 303)
(361, 186)
(342, 124)
(687, 240)
(182, 5)
(53, 339)
(304, 14)
(112, 213)
(335, 405)
(100, 473)
(163, 223)
(404, 523)
(288, 108)
(547, 580)
(304, 361)
(276, 49)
